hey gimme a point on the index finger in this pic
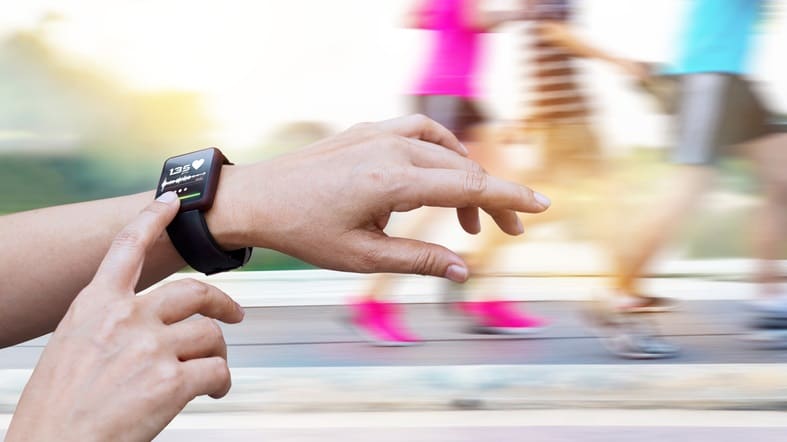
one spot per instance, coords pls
(424, 128)
(122, 264)
(473, 188)
(176, 301)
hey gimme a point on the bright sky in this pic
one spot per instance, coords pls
(259, 63)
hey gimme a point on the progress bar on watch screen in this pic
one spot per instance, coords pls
(191, 195)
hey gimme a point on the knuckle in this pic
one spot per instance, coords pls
(424, 262)
(390, 182)
(212, 330)
(474, 167)
(220, 370)
(475, 183)
(525, 193)
(421, 119)
(128, 238)
(148, 345)
(402, 177)
(194, 287)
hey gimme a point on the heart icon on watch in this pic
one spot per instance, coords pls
(196, 164)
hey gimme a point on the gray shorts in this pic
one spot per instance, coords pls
(716, 111)
(457, 114)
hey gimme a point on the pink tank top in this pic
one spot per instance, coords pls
(452, 64)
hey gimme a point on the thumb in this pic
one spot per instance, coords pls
(402, 255)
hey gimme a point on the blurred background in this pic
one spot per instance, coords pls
(94, 95)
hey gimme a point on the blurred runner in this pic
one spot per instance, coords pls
(717, 110)
(447, 91)
(557, 119)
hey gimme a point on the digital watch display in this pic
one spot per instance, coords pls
(194, 177)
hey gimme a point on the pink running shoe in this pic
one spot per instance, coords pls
(500, 317)
(378, 322)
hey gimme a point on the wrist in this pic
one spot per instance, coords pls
(227, 220)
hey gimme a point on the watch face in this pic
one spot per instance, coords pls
(193, 177)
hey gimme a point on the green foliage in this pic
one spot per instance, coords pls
(264, 259)
(33, 181)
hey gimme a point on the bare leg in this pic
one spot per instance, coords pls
(769, 235)
(770, 158)
(688, 184)
(486, 150)
(575, 183)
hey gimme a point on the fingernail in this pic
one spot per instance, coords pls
(519, 227)
(464, 149)
(241, 310)
(167, 198)
(542, 199)
(456, 273)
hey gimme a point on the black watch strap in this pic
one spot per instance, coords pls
(192, 239)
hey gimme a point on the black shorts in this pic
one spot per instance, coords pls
(457, 114)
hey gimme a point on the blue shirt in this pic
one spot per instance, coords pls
(718, 37)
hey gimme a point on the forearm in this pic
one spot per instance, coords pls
(56, 251)
(50, 254)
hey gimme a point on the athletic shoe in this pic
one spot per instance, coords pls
(774, 339)
(627, 337)
(774, 307)
(769, 324)
(643, 304)
(499, 317)
(378, 323)
(637, 346)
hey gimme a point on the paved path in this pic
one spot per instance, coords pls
(305, 359)
(711, 332)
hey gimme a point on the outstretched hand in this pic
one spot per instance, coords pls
(119, 366)
(329, 204)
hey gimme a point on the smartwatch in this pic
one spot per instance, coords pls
(194, 177)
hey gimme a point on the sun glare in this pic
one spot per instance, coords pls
(258, 64)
